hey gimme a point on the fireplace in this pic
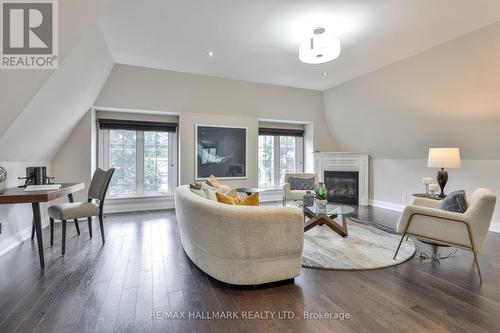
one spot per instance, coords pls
(342, 186)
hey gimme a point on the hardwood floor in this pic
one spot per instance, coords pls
(143, 269)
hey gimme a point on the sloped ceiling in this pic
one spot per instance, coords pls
(258, 40)
(448, 96)
(22, 90)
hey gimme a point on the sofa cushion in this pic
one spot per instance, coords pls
(301, 183)
(251, 200)
(455, 201)
(212, 180)
(199, 192)
(209, 191)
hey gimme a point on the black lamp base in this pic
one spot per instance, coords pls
(442, 179)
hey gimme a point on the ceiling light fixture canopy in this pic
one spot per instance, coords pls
(319, 48)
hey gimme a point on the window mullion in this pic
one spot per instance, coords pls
(277, 164)
(140, 162)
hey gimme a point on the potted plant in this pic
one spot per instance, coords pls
(320, 195)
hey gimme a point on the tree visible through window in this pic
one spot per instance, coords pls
(143, 160)
(278, 155)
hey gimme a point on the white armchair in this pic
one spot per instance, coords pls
(296, 194)
(425, 219)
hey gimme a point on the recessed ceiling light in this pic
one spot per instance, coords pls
(319, 48)
(325, 73)
(210, 53)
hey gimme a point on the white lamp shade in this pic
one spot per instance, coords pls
(444, 158)
(319, 49)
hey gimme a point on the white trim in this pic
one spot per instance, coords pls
(495, 227)
(386, 205)
(138, 204)
(18, 238)
(196, 151)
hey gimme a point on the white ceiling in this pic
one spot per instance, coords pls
(258, 40)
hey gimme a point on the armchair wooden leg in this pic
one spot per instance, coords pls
(90, 226)
(101, 226)
(51, 231)
(63, 250)
(77, 227)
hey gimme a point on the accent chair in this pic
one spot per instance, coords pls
(425, 219)
(289, 194)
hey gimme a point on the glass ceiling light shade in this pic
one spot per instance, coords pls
(319, 48)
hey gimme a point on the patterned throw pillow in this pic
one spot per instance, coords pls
(455, 201)
(301, 183)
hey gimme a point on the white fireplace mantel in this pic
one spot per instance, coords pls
(346, 161)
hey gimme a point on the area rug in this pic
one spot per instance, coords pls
(365, 247)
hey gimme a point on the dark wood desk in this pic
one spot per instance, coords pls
(17, 195)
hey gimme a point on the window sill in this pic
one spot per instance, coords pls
(145, 196)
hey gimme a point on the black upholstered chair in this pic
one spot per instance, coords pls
(73, 211)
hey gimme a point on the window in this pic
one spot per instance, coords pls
(145, 159)
(280, 152)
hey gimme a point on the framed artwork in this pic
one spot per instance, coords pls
(220, 151)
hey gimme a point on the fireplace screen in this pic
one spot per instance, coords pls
(342, 186)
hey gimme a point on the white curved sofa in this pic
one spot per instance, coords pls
(240, 245)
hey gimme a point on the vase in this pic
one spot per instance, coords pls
(321, 204)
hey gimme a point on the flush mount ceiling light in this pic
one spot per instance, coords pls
(319, 48)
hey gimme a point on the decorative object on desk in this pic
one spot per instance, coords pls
(308, 199)
(426, 181)
(3, 175)
(321, 196)
(220, 151)
(36, 176)
(443, 158)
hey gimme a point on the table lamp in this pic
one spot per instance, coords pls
(443, 158)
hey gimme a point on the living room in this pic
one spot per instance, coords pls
(365, 133)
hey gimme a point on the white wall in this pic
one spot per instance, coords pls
(208, 100)
(50, 117)
(447, 96)
(17, 219)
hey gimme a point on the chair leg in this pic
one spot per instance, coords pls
(77, 227)
(90, 226)
(477, 265)
(63, 251)
(51, 231)
(101, 226)
(400, 242)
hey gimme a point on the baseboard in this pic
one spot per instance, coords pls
(495, 227)
(386, 205)
(138, 204)
(17, 239)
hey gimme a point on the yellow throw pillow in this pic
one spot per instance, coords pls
(251, 200)
(213, 181)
